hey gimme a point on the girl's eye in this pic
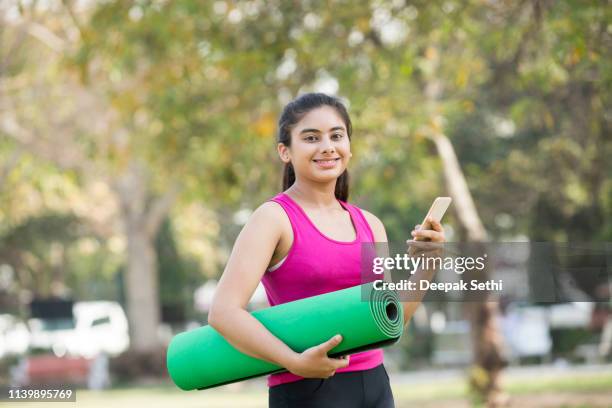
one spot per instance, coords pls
(310, 138)
(338, 135)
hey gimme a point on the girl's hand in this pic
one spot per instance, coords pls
(436, 234)
(430, 240)
(314, 362)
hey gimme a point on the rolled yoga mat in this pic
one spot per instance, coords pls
(202, 358)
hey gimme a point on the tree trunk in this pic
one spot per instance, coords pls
(141, 218)
(141, 285)
(486, 340)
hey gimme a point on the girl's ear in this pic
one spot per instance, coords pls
(283, 152)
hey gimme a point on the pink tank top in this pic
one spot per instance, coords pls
(317, 264)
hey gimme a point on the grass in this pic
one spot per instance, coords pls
(254, 395)
(457, 388)
(582, 383)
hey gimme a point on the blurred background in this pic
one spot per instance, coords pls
(136, 138)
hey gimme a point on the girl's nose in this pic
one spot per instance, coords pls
(327, 145)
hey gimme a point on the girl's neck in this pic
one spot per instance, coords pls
(316, 196)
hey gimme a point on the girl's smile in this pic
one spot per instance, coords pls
(327, 163)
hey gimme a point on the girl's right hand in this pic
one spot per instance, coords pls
(314, 362)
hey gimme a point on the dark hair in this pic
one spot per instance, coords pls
(292, 114)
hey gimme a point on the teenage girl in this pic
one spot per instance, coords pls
(304, 242)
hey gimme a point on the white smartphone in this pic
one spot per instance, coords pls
(436, 211)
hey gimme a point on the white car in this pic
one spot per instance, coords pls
(526, 330)
(99, 326)
(14, 335)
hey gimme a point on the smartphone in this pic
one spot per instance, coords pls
(436, 211)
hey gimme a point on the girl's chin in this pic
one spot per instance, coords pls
(319, 174)
(327, 175)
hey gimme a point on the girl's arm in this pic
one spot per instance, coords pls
(247, 263)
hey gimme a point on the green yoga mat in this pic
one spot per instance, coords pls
(202, 358)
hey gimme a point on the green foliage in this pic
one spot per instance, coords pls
(34, 233)
(194, 89)
(33, 249)
(179, 275)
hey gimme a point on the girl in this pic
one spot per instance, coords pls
(304, 242)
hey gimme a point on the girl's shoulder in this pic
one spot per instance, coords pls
(269, 210)
(376, 225)
(271, 215)
(369, 217)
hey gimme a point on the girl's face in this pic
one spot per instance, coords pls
(320, 147)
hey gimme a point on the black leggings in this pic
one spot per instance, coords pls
(354, 389)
